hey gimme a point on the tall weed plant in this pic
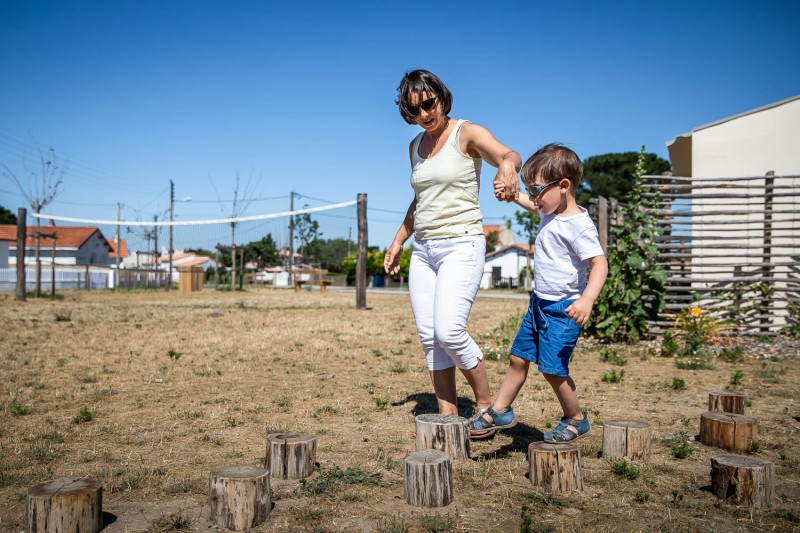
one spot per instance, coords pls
(634, 290)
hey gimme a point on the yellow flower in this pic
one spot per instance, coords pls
(696, 311)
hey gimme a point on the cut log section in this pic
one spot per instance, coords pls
(726, 402)
(428, 479)
(290, 456)
(66, 504)
(734, 433)
(626, 438)
(445, 433)
(738, 479)
(239, 496)
(555, 467)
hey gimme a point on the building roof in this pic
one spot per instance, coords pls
(66, 236)
(123, 248)
(518, 248)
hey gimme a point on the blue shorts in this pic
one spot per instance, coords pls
(547, 336)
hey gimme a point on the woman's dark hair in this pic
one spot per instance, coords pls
(420, 81)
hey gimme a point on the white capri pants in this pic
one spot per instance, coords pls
(444, 277)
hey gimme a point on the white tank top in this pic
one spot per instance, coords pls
(446, 186)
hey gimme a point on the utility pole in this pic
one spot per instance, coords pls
(116, 245)
(156, 255)
(171, 215)
(22, 235)
(291, 237)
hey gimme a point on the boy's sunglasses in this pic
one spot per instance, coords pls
(427, 105)
(536, 190)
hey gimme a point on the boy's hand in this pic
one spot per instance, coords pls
(580, 310)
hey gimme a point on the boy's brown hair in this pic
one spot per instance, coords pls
(553, 162)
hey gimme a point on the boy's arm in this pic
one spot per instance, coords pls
(581, 309)
(525, 202)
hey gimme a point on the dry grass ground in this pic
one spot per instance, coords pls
(180, 384)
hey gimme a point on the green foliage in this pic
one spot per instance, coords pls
(264, 252)
(614, 175)
(306, 228)
(732, 355)
(6, 216)
(736, 378)
(84, 415)
(624, 469)
(17, 409)
(492, 238)
(669, 346)
(793, 320)
(677, 384)
(174, 355)
(611, 356)
(330, 253)
(634, 290)
(681, 450)
(613, 377)
(333, 478)
(641, 497)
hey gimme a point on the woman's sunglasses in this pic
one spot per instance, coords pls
(427, 105)
(536, 190)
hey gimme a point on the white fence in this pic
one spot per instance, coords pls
(65, 278)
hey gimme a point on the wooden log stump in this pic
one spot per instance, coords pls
(734, 433)
(445, 433)
(290, 456)
(239, 496)
(726, 402)
(428, 479)
(738, 479)
(66, 504)
(626, 438)
(555, 467)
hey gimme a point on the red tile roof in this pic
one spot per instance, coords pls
(123, 248)
(66, 236)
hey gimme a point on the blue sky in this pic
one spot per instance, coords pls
(300, 95)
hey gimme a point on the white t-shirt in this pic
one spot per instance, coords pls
(561, 253)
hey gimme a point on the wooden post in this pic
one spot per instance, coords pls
(555, 467)
(602, 221)
(428, 479)
(445, 433)
(728, 431)
(22, 219)
(739, 479)
(726, 402)
(626, 438)
(88, 279)
(290, 456)
(766, 270)
(361, 254)
(239, 496)
(66, 504)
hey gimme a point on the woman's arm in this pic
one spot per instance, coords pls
(391, 261)
(477, 141)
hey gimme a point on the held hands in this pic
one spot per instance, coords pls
(391, 261)
(506, 183)
(580, 310)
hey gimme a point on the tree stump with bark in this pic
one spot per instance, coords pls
(290, 456)
(445, 433)
(739, 479)
(428, 479)
(734, 433)
(239, 496)
(555, 467)
(66, 504)
(726, 402)
(626, 438)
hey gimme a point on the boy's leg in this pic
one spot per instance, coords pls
(567, 395)
(512, 384)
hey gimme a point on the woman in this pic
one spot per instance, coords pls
(449, 244)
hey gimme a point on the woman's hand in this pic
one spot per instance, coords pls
(391, 261)
(506, 182)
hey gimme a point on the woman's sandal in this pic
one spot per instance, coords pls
(561, 434)
(479, 427)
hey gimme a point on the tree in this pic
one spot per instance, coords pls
(263, 252)
(530, 226)
(307, 229)
(238, 206)
(7, 217)
(43, 184)
(491, 241)
(330, 252)
(613, 175)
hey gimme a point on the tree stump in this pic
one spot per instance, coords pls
(290, 456)
(726, 402)
(738, 479)
(239, 496)
(428, 479)
(66, 504)
(728, 431)
(445, 433)
(556, 467)
(626, 438)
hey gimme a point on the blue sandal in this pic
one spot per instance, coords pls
(561, 434)
(479, 425)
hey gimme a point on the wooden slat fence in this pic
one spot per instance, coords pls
(729, 245)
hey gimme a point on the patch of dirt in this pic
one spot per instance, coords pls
(180, 384)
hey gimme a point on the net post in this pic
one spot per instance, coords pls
(361, 256)
(22, 221)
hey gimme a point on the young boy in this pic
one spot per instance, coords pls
(566, 246)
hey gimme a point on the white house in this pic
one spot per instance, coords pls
(504, 266)
(74, 245)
